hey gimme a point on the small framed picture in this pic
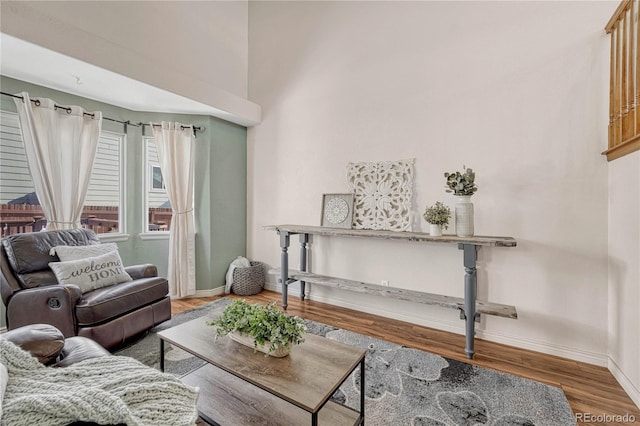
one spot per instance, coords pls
(337, 210)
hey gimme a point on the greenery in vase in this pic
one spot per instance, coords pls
(461, 183)
(438, 214)
(263, 323)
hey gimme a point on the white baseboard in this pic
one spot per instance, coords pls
(629, 387)
(455, 327)
(207, 293)
(546, 348)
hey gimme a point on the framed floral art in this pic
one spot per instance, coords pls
(337, 210)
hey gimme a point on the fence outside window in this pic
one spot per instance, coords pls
(20, 218)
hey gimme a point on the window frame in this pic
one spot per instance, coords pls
(122, 234)
(152, 180)
(146, 234)
(121, 138)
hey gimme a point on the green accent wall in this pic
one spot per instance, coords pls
(220, 185)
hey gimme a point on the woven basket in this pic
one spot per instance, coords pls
(248, 281)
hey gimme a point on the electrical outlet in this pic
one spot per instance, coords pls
(385, 283)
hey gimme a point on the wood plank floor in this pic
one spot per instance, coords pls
(590, 390)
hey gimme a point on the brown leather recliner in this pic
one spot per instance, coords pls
(108, 315)
(48, 345)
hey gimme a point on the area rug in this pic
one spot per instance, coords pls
(404, 386)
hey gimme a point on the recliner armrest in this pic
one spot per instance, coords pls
(43, 341)
(78, 349)
(141, 271)
(53, 304)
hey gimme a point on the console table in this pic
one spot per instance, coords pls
(470, 308)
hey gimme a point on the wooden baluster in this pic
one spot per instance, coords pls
(615, 59)
(622, 80)
(614, 86)
(636, 101)
(612, 71)
(624, 101)
(618, 85)
(631, 46)
(631, 81)
(629, 121)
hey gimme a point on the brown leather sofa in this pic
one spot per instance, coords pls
(49, 346)
(108, 315)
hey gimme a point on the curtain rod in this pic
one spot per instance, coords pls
(56, 106)
(124, 123)
(182, 127)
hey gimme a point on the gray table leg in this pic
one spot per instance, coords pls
(304, 239)
(470, 253)
(162, 355)
(284, 266)
(362, 391)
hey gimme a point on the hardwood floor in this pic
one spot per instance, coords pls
(591, 391)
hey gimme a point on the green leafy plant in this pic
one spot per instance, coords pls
(438, 214)
(461, 183)
(263, 323)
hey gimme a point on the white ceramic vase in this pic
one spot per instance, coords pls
(464, 216)
(247, 340)
(435, 230)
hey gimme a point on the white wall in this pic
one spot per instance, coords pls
(515, 90)
(197, 49)
(624, 272)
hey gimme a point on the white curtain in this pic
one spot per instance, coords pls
(175, 143)
(60, 145)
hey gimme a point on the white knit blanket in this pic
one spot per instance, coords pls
(105, 390)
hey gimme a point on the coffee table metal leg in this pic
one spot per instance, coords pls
(208, 419)
(161, 355)
(362, 391)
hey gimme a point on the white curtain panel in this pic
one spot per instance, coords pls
(176, 144)
(60, 145)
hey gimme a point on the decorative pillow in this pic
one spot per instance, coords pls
(4, 378)
(68, 253)
(91, 273)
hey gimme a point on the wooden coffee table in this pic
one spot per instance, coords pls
(240, 387)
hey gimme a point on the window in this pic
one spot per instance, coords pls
(20, 209)
(102, 212)
(157, 183)
(157, 207)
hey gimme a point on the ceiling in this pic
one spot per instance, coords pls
(23, 61)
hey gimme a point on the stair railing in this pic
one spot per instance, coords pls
(624, 86)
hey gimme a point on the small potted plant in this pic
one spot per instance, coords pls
(463, 186)
(438, 217)
(264, 328)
